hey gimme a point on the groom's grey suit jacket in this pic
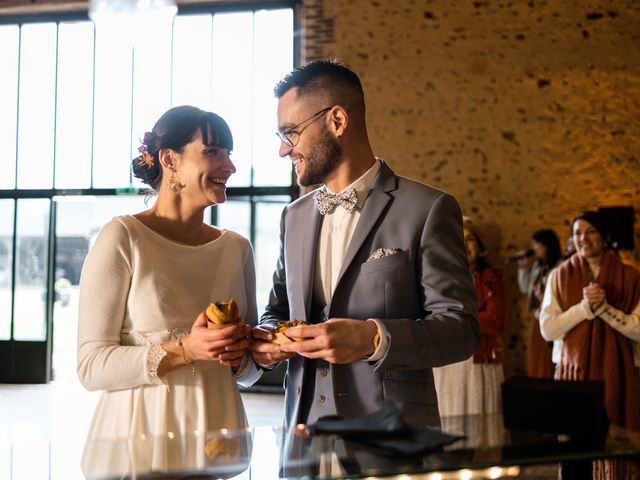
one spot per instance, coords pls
(423, 294)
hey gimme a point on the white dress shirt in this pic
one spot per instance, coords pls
(335, 235)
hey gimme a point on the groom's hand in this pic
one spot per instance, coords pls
(265, 353)
(338, 340)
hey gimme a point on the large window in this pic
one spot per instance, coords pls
(75, 100)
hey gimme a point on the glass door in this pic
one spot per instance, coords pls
(25, 241)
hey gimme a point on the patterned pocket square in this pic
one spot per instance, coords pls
(384, 252)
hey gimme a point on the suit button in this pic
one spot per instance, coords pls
(323, 372)
(321, 398)
(298, 390)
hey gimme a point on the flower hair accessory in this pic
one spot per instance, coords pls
(145, 157)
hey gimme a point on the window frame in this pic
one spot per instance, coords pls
(251, 194)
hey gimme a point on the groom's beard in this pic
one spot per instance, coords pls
(319, 163)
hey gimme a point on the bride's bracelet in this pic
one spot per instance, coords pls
(184, 356)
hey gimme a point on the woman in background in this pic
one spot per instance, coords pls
(473, 386)
(591, 310)
(532, 279)
(142, 335)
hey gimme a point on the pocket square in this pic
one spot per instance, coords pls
(384, 252)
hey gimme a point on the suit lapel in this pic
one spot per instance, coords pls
(374, 206)
(307, 261)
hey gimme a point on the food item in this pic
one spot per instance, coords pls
(281, 335)
(222, 313)
(222, 448)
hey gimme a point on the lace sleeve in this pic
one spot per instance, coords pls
(154, 356)
(154, 353)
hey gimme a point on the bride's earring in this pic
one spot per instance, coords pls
(174, 182)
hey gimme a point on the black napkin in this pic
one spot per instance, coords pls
(385, 430)
(384, 422)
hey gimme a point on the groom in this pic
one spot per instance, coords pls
(379, 271)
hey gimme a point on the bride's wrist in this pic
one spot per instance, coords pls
(181, 344)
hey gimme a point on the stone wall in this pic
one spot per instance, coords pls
(527, 111)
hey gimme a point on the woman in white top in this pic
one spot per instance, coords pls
(473, 386)
(142, 334)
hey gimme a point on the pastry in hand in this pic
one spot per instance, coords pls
(222, 448)
(222, 313)
(280, 332)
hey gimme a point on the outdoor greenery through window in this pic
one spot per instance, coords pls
(76, 99)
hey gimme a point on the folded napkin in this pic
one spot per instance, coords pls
(384, 429)
(385, 422)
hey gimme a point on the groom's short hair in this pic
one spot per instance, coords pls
(327, 78)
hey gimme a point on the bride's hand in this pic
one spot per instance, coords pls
(234, 353)
(226, 344)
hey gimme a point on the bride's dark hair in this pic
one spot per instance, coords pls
(175, 129)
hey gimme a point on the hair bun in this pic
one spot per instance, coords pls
(147, 139)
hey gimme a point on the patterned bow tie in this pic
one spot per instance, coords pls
(328, 201)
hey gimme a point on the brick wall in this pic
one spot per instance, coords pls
(527, 111)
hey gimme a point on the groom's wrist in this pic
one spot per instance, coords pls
(372, 338)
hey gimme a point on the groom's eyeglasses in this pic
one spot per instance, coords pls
(291, 136)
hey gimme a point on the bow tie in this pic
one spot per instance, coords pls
(328, 201)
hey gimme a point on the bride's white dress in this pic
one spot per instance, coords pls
(139, 289)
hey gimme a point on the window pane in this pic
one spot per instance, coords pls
(235, 215)
(272, 59)
(78, 221)
(103, 209)
(37, 99)
(232, 80)
(267, 246)
(112, 115)
(191, 47)
(6, 257)
(73, 232)
(31, 262)
(207, 215)
(151, 77)
(74, 110)
(9, 102)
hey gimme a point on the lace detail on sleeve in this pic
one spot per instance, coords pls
(154, 355)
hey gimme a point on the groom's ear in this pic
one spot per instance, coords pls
(338, 120)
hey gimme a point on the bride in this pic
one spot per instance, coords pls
(142, 334)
